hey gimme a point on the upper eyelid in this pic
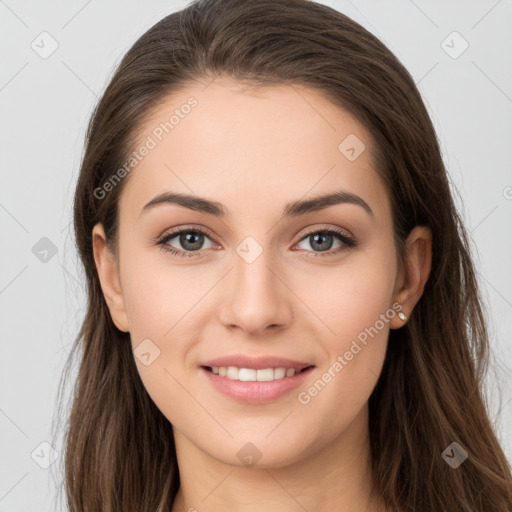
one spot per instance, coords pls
(186, 228)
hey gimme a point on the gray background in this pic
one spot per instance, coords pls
(46, 103)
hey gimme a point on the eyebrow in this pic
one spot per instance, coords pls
(293, 209)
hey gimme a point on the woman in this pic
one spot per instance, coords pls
(229, 362)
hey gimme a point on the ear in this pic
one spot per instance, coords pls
(106, 266)
(418, 262)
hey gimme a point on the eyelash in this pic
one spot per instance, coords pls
(346, 240)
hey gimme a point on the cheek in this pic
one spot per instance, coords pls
(354, 304)
(159, 295)
(163, 308)
(166, 311)
(350, 297)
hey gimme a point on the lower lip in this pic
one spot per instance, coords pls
(256, 392)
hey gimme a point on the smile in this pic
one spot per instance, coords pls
(252, 375)
(243, 385)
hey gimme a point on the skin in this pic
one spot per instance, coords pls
(254, 151)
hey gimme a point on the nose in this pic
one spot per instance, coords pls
(255, 297)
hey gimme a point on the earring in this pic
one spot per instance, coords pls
(402, 316)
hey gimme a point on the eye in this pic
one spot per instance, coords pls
(322, 239)
(192, 239)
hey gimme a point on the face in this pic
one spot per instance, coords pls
(283, 286)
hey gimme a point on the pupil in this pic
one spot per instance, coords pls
(187, 240)
(319, 238)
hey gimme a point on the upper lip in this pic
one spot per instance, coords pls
(256, 363)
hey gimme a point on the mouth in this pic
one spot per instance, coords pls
(256, 375)
(255, 386)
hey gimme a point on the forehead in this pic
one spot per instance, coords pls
(251, 148)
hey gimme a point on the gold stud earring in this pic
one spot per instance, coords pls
(402, 316)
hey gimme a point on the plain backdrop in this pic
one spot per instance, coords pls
(45, 102)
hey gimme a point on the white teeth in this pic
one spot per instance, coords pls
(252, 375)
(246, 374)
(232, 373)
(263, 375)
(279, 373)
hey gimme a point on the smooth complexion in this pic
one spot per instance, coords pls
(254, 152)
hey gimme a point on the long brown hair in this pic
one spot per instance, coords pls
(120, 452)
